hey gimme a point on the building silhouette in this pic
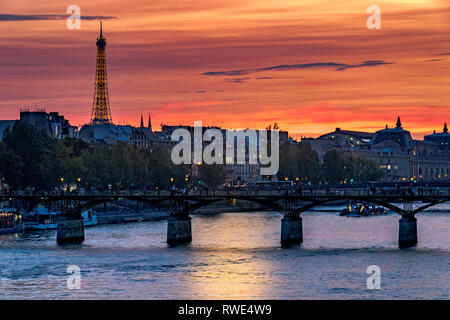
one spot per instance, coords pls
(51, 122)
(397, 154)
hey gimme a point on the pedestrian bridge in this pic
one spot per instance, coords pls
(179, 207)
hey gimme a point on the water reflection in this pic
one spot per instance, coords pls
(233, 256)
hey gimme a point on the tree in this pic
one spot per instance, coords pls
(299, 161)
(211, 174)
(288, 161)
(308, 164)
(38, 152)
(333, 167)
(70, 152)
(360, 169)
(162, 169)
(11, 167)
(337, 168)
(97, 167)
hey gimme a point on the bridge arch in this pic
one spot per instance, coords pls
(284, 209)
(185, 204)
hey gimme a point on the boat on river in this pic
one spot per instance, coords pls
(42, 219)
(362, 210)
(10, 221)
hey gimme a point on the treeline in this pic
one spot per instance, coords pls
(299, 161)
(30, 157)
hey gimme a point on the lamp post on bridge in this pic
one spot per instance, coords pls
(62, 185)
(78, 185)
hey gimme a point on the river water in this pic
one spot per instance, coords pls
(234, 256)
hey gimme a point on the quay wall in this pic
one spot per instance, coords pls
(149, 214)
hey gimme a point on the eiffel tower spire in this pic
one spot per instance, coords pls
(149, 122)
(101, 112)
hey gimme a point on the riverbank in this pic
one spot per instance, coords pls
(151, 214)
(115, 217)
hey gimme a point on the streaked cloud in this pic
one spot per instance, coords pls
(238, 80)
(33, 17)
(316, 65)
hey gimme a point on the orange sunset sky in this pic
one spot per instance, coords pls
(310, 66)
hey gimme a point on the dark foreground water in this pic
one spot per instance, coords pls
(234, 256)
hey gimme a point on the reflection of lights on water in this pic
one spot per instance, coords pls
(232, 268)
(241, 277)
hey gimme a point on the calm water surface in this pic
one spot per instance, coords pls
(234, 256)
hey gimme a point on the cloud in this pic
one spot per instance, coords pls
(444, 54)
(283, 67)
(238, 80)
(432, 60)
(245, 79)
(32, 17)
(197, 91)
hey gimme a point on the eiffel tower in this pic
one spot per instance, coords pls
(101, 112)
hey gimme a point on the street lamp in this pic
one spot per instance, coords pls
(78, 184)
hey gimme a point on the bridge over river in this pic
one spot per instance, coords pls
(179, 207)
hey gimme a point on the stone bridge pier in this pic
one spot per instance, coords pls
(407, 233)
(179, 230)
(292, 223)
(70, 222)
(291, 230)
(179, 223)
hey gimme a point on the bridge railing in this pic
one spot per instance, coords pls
(255, 192)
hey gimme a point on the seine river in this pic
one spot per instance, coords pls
(234, 256)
